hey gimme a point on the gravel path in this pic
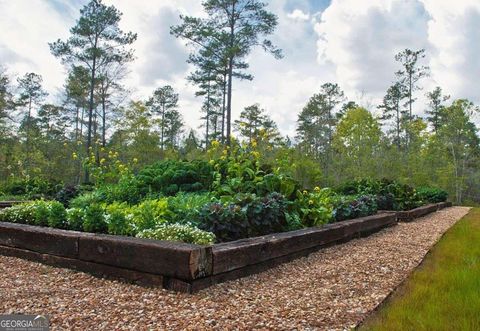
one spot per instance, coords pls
(331, 289)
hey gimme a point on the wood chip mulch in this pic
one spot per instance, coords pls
(331, 289)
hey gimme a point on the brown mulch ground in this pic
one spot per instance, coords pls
(328, 290)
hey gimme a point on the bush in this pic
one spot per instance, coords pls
(432, 195)
(119, 219)
(42, 212)
(315, 208)
(86, 199)
(39, 212)
(94, 219)
(350, 207)
(390, 195)
(57, 216)
(66, 194)
(245, 215)
(170, 177)
(186, 208)
(179, 232)
(32, 187)
(75, 218)
(149, 214)
(22, 213)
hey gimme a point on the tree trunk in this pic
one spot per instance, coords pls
(229, 100)
(90, 113)
(230, 75)
(104, 129)
(223, 105)
(162, 128)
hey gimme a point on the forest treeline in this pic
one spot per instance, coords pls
(336, 139)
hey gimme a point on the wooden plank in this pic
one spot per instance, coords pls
(173, 259)
(40, 239)
(95, 269)
(238, 254)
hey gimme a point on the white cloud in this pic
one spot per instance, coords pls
(361, 40)
(298, 14)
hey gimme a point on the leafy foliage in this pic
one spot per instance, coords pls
(349, 207)
(432, 194)
(245, 215)
(179, 232)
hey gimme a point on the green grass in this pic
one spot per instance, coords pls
(444, 293)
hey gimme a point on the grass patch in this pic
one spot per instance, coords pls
(444, 293)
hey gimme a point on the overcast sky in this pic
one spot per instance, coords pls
(349, 42)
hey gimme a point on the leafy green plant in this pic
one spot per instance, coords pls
(75, 218)
(352, 207)
(66, 194)
(391, 195)
(245, 215)
(94, 219)
(170, 177)
(432, 194)
(87, 199)
(119, 219)
(57, 216)
(149, 214)
(22, 213)
(41, 213)
(315, 208)
(32, 187)
(186, 207)
(179, 232)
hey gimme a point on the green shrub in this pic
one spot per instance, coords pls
(351, 207)
(41, 213)
(75, 218)
(119, 219)
(32, 187)
(170, 177)
(245, 215)
(57, 216)
(66, 194)
(94, 220)
(186, 208)
(22, 213)
(179, 232)
(86, 199)
(149, 214)
(315, 208)
(128, 189)
(432, 194)
(391, 195)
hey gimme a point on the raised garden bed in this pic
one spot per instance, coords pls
(7, 204)
(410, 215)
(176, 266)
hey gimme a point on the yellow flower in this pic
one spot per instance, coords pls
(310, 202)
(254, 143)
(135, 160)
(305, 192)
(74, 156)
(256, 154)
(102, 149)
(316, 189)
(79, 143)
(215, 143)
(64, 144)
(102, 161)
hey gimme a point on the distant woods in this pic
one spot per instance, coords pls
(336, 138)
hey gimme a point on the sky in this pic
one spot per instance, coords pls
(349, 42)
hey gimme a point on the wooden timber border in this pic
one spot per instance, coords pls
(179, 266)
